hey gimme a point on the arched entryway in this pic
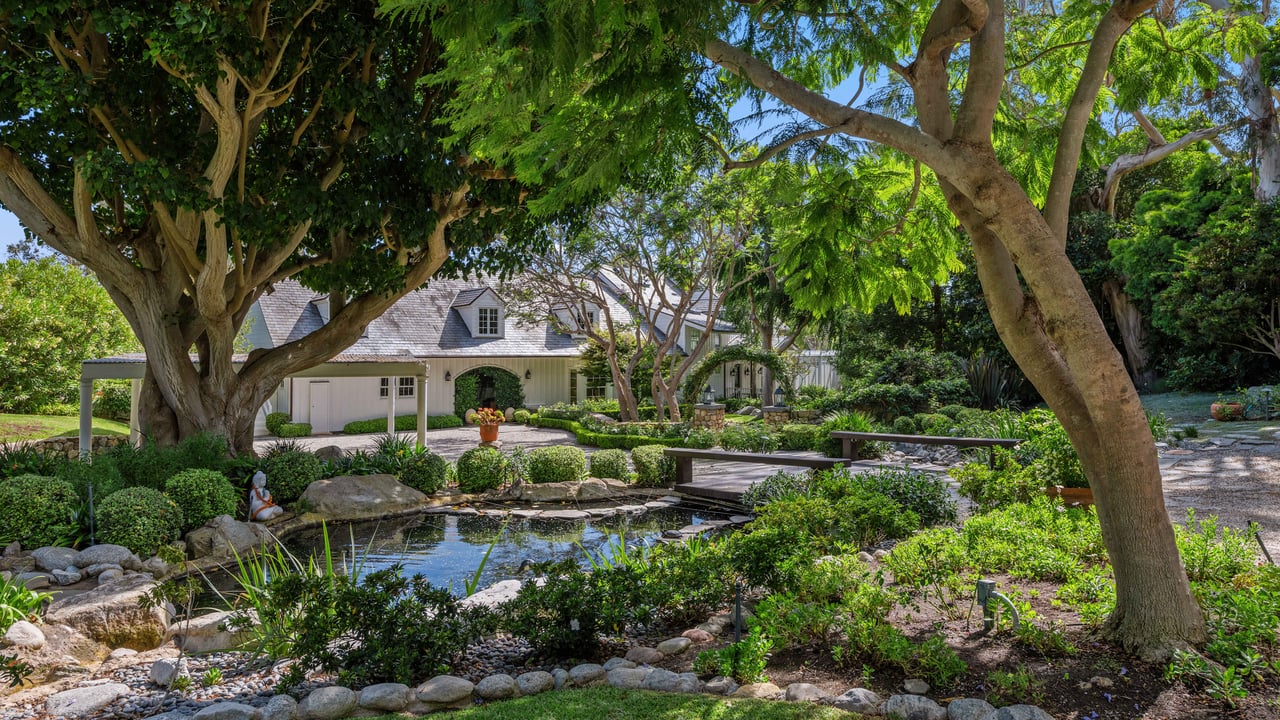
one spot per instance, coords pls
(486, 387)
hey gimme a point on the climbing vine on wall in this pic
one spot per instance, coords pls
(508, 390)
(736, 353)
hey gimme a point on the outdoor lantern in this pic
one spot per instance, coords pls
(777, 396)
(707, 397)
(448, 376)
(528, 374)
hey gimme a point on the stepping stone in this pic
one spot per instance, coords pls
(657, 505)
(525, 514)
(563, 515)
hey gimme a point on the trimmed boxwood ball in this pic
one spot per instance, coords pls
(562, 463)
(425, 471)
(36, 510)
(480, 469)
(290, 472)
(653, 468)
(275, 420)
(140, 519)
(610, 464)
(202, 495)
(904, 425)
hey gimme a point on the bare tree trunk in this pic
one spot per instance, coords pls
(1133, 332)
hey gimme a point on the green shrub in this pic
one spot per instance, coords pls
(565, 615)
(289, 472)
(653, 467)
(521, 416)
(113, 400)
(404, 423)
(858, 517)
(744, 661)
(37, 511)
(480, 469)
(610, 464)
(951, 411)
(934, 423)
(686, 582)
(923, 493)
(202, 495)
(146, 466)
(102, 474)
(140, 519)
(424, 470)
(391, 628)
(275, 420)
(749, 437)
(850, 421)
(1008, 483)
(560, 463)
(25, 460)
(1037, 541)
(904, 425)
(295, 430)
(782, 485)
(798, 437)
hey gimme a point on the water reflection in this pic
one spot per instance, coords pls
(447, 549)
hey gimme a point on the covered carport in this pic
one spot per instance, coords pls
(133, 367)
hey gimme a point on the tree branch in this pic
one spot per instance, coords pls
(1126, 164)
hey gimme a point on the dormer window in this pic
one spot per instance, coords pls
(487, 323)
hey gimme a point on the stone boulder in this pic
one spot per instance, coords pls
(597, 489)
(111, 614)
(329, 453)
(85, 701)
(224, 537)
(494, 595)
(547, 492)
(54, 558)
(24, 635)
(360, 497)
(327, 703)
(208, 633)
(63, 653)
(914, 707)
(442, 692)
(108, 554)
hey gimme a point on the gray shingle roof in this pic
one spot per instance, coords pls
(423, 323)
(466, 297)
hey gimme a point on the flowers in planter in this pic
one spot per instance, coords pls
(488, 416)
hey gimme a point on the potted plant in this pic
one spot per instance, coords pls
(1228, 407)
(1053, 459)
(488, 420)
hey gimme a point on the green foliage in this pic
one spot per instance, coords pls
(904, 425)
(749, 437)
(743, 661)
(714, 360)
(294, 430)
(849, 420)
(870, 638)
(26, 460)
(799, 437)
(566, 615)
(425, 471)
(113, 399)
(19, 603)
(653, 468)
(201, 495)
(782, 485)
(560, 463)
(857, 517)
(1212, 554)
(1037, 541)
(386, 628)
(102, 474)
(480, 469)
(140, 519)
(991, 383)
(38, 510)
(1008, 483)
(610, 464)
(404, 423)
(289, 471)
(508, 389)
(923, 493)
(1014, 687)
(521, 416)
(53, 315)
(275, 420)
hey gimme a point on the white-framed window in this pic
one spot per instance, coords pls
(591, 318)
(573, 387)
(406, 387)
(595, 386)
(487, 323)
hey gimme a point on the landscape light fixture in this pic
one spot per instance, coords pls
(777, 396)
(528, 374)
(707, 396)
(448, 376)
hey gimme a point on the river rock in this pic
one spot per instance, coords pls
(915, 686)
(280, 707)
(763, 691)
(112, 616)
(548, 492)
(33, 580)
(662, 680)
(805, 692)
(698, 635)
(23, 634)
(1021, 712)
(444, 691)
(538, 681)
(593, 489)
(108, 554)
(165, 670)
(54, 558)
(858, 700)
(617, 662)
(586, 675)
(227, 711)
(628, 678)
(970, 709)
(329, 453)
(66, 577)
(208, 633)
(914, 707)
(721, 685)
(644, 655)
(226, 537)
(327, 703)
(497, 687)
(106, 577)
(391, 697)
(85, 701)
(355, 497)
(98, 568)
(674, 646)
(561, 677)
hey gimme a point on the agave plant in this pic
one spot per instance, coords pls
(991, 381)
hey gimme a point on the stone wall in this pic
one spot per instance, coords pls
(70, 446)
(777, 416)
(708, 417)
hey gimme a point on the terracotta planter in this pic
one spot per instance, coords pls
(488, 433)
(1226, 411)
(1071, 497)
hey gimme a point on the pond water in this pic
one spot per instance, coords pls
(447, 549)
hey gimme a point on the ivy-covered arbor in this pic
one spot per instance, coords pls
(480, 386)
(736, 353)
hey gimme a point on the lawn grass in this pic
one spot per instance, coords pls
(606, 703)
(1181, 408)
(14, 428)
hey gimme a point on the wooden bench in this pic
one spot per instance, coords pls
(684, 458)
(851, 442)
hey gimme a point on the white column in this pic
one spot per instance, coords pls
(135, 403)
(86, 419)
(422, 409)
(393, 388)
